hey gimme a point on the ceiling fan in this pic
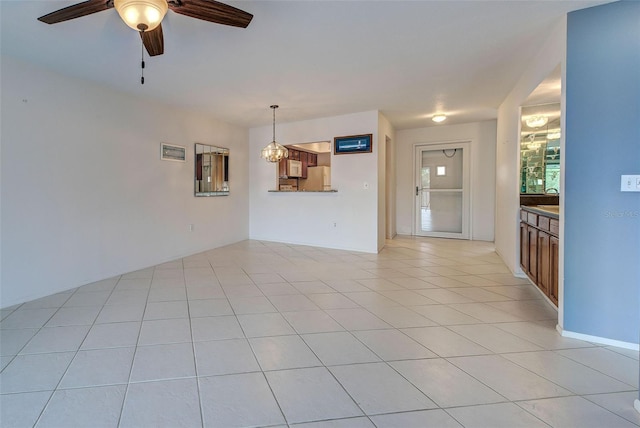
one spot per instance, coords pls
(145, 16)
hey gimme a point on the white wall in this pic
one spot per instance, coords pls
(551, 53)
(308, 218)
(85, 195)
(482, 136)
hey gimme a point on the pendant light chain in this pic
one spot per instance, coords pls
(274, 107)
(142, 56)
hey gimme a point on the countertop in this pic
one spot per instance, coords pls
(552, 211)
(304, 191)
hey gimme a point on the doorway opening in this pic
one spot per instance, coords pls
(390, 190)
(442, 195)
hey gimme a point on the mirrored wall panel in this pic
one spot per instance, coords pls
(540, 149)
(211, 170)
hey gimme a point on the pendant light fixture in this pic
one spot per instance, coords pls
(274, 152)
(439, 118)
(536, 121)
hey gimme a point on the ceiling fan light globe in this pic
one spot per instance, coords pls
(141, 14)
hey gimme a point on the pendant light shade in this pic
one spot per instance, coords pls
(274, 152)
(141, 15)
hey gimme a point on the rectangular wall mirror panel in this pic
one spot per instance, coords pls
(211, 170)
(540, 149)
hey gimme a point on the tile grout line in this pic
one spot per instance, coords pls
(55, 389)
(135, 351)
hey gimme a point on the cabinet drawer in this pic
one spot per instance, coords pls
(554, 227)
(532, 219)
(543, 222)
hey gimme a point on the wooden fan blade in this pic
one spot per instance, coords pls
(77, 11)
(153, 41)
(212, 11)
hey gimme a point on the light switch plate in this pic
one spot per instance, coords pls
(630, 183)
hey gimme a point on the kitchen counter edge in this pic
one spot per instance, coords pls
(539, 210)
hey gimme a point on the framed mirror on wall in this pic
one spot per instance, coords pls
(211, 170)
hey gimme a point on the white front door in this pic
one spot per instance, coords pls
(442, 190)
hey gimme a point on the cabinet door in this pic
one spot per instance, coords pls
(543, 256)
(533, 253)
(304, 158)
(313, 159)
(282, 168)
(524, 247)
(554, 256)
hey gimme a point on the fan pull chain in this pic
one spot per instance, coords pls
(142, 62)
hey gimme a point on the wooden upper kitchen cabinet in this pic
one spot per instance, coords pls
(304, 158)
(282, 168)
(307, 159)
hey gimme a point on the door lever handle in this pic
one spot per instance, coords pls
(417, 190)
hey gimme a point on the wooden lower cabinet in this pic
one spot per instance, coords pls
(524, 247)
(528, 250)
(554, 260)
(533, 253)
(544, 266)
(539, 252)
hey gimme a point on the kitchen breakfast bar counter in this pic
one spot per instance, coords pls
(304, 191)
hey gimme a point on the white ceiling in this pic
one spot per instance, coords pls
(544, 100)
(408, 59)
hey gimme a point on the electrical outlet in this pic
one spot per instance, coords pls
(630, 183)
(366, 185)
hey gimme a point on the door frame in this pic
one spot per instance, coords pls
(465, 145)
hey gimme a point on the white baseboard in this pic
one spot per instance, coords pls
(636, 405)
(597, 339)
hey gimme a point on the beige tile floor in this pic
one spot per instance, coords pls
(428, 333)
